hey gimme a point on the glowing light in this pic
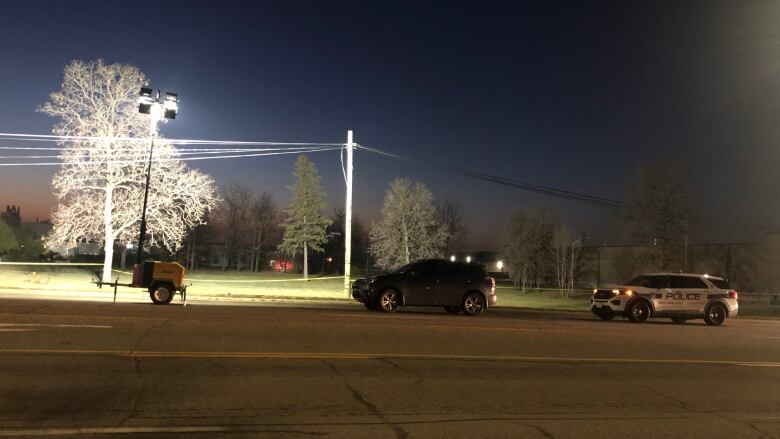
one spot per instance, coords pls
(500, 265)
(129, 245)
(468, 258)
(452, 258)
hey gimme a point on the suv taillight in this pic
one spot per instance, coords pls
(492, 285)
(733, 294)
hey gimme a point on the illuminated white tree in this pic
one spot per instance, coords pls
(101, 184)
(409, 228)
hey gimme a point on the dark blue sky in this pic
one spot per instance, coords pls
(570, 95)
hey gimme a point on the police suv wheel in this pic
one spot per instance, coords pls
(389, 301)
(161, 295)
(715, 314)
(639, 311)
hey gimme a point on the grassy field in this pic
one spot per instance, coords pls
(200, 283)
(288, 286)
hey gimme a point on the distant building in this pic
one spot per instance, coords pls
(12, 216)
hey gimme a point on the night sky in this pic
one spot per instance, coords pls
(570, 95)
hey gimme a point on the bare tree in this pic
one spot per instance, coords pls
(100, 186)
(263, 218)
(409, 228)
(562, 252)
(335, 246)
(235, 213)
(660, 212)
(526, 246)
(451, 216)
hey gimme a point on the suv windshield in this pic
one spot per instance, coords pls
(404, 268)
(645, 281)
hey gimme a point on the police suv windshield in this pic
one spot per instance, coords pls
(645, 281)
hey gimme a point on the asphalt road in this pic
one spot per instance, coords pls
(101, 370)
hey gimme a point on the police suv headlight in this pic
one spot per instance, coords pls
(626, 292)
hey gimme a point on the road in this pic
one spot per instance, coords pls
(101, 370)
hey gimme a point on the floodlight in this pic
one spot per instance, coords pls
(145, 100)
(171, 105)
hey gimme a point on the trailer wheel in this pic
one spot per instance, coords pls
(161, 294)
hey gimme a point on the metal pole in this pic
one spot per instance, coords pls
(142, 234)
(348, 218)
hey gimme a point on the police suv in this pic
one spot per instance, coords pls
(678, 296)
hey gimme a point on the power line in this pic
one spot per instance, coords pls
(230, 156)
(61, 138)
(559, 193)
(174, 153)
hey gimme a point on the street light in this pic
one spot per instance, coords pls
(500, 265)
(452, 258)
(168, 108)
(468, 259)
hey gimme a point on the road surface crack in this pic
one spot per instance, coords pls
(541, 430)
(762, 434)
(405, 370)
(400, 433)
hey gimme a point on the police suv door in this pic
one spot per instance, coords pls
(696, 293)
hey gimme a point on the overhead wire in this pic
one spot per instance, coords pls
(170, 158)
(559, 193)
(63, 138)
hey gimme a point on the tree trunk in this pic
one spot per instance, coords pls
(193, 254)
(108, 246)
(305, 260)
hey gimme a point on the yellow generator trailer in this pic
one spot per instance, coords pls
(162, 279)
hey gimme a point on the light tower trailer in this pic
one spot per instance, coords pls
(162, 279)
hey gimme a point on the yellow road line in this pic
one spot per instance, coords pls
(378, 356)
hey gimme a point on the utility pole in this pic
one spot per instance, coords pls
(348, 218)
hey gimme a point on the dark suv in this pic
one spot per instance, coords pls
(456, 286)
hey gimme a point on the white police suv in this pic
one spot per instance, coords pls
(678, 296)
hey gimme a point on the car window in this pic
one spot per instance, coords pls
(722, 284)
(476, 270)
(677, 282)
(694, 282)
(648, 282)
(427, 268)
(447, 268)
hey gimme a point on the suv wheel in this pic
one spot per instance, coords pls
(473, 304)
(715, 314)
(389, 301)
(639, 311)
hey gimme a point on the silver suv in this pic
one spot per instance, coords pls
(678, 296)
